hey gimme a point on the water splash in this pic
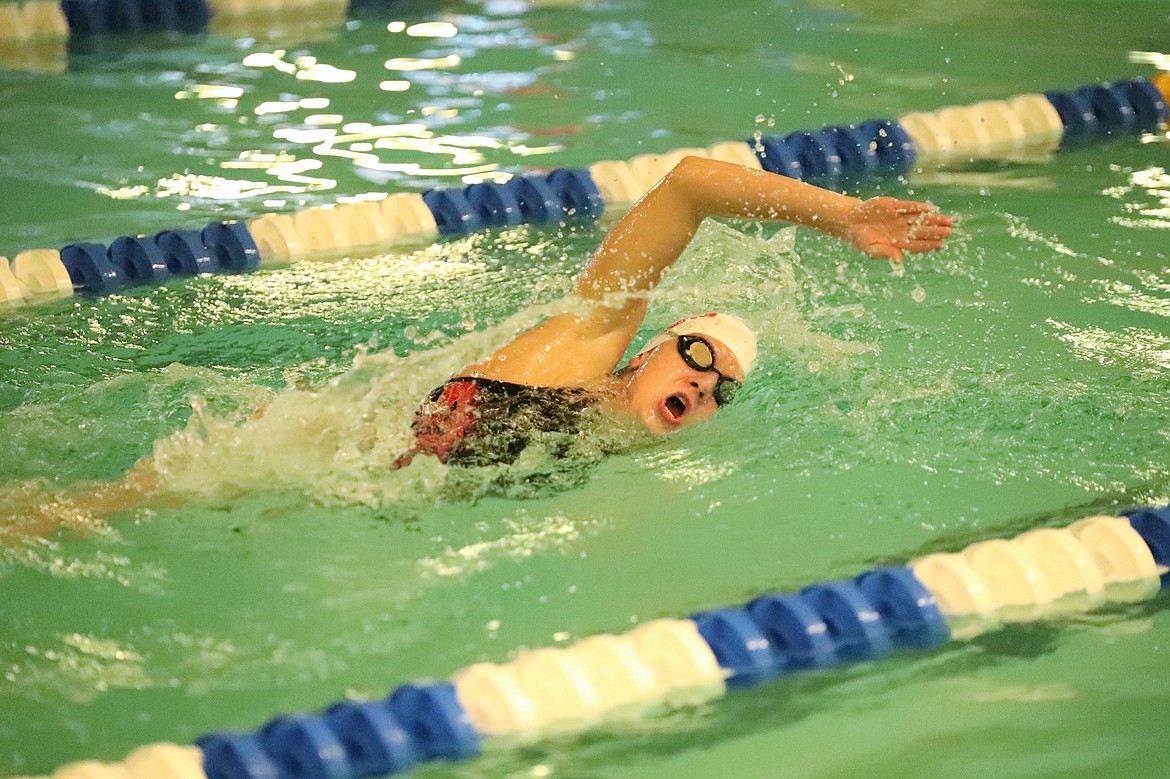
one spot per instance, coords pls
(337, 440)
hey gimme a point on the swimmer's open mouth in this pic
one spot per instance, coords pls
(673, 408)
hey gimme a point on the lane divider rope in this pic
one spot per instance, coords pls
(833, 157)
(933, 600)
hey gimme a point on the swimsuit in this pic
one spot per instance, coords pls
(471, 421)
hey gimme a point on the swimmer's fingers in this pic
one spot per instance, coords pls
(923, 212)
(920, 246)
(897, 215)
(910, 207)
(933, 219)
(897, 251)
(928, 232)
(881, 249)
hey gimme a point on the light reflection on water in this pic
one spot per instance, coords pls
(225, 189)
(1139, 351)
(410, 139)
(302, 137)
(1145, 199)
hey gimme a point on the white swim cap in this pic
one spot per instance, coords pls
(728, 329)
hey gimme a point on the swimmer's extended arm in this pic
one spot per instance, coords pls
(570, 350)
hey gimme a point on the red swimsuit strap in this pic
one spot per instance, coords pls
(459, 391)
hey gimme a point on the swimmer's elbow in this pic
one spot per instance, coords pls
(688, 171)
(684, 185)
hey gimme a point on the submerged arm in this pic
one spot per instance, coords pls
(570, 350)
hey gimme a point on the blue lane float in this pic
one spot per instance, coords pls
(839, 154)
(87, 18)
(892, 145)
(1095, 112)
(906, 607)
(140, 260)
(454, 215)
(538, 202)
(566, 193)
(1149, 104)
(232, 245)
(90, 268)
(824, 625)
(186, 253)
(416, 723)
(1153, 525)
(497, 205)
(373, 738)
(797, 633)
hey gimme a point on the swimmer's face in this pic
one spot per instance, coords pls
(666, 393)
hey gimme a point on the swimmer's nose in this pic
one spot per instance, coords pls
(707, 385)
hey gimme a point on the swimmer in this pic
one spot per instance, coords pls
(546, 378)
(550, 376)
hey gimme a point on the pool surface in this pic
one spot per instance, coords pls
(1019, 379)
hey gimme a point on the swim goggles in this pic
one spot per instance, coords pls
(697, 353)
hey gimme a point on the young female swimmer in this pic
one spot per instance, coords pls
(548, 376)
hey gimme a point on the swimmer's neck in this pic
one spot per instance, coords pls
(611, 391)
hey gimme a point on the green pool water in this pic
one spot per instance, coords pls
(1018, 379)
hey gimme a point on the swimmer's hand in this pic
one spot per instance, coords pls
(887, 228)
